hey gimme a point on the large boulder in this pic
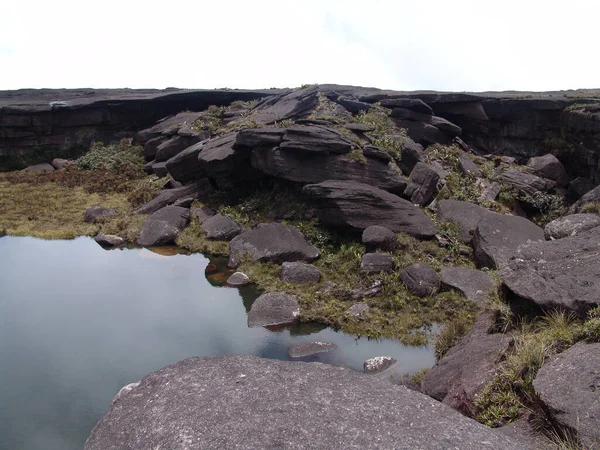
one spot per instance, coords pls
(410, 153)
(464, 215)
(220, 228)
(357, 206)
(271, 242)
(377, 237)
(95, 214)
(571, 225)
(526, 183)
(299, 272)
(420, 279)
(550, 167)
(167, 197)
(473, 284)
(568, 383)
(498, 236)
(109, 240)
(467, 368)
(267, 137)
(272, 309)
(164, 226)
(579, 187)
(173, 146)
(468, 167)
(203, 403)
(287, 105)
(560, 274)
(60, 163)
(422, 184)
(185, 166)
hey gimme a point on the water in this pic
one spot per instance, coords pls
(78, 322)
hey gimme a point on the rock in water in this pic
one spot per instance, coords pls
(378, 364)
(357, 206)
(164, 226)
(271, 242)
(274, 308)
(303, 350)
(109, 240)
(238, 279)
(290, 402)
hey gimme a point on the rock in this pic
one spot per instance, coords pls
(151, 146)
(550, 167)
(185, 166)
(468, 167)
(420, 279)
(359, 127)
(357, 206)
(423, 133)
(303, 350)
(571, 225)
(592, 196)
(467, 368)
(43, 167)
(579, 187)
(59, 163)
(238, 279)
(568, 383)
(440, 123)
(173, 146)
(95, 214)
(308, 139)
(377, 237)
(272, 242)
(560, 274)
(464, 215)
(298, 273)
(317, 406)
(358, 311)
(109, 240)
(267, 137)
(125, 390)
(371, 291)
(167, 126)
(203, 213)
(164, 226)
(422, 184)
(352, 105)
(378, 364)
(370, 151)
(184, 202)
(220, 228)
(160, 169)
(172, 184)
(490, 192)
(376, 262)
(473, 284)
(410, 154)
(274, 308)
(167, 197)
(288, 105)
(497, 237)
(412, 104)
(526, 183)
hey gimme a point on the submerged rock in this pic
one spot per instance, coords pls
(274, 308)
(303, 350)
(109, 240)
(316, 406)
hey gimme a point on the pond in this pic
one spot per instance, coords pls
(78, 322)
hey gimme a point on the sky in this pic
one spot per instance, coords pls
(443, 45)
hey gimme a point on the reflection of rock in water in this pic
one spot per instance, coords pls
(249, 293)
(304, 329)
(168, 250)
(211, 268)
(217, 272)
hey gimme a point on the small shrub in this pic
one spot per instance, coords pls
(357, 155)
(112, 157)
(550, 206)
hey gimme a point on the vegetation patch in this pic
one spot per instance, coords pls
(386, 134)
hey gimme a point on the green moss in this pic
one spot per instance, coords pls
(113, 156)
(451, 333)
(194, 239)
(357, 155)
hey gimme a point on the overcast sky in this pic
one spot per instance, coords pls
(443, 45)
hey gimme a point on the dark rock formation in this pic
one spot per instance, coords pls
(203, 214)
(420, 279)
(185, 166)
(571, 225)
(95, 214)
(109, 240)
(287, 105)
(467, 368)
(468, 167)
(298, 273)
(560, 274)
(303, 350)
(160, 169)
(422, 184)
(410, 154)
(526, 183)
(473, 284)
(550, 167)
(377, 237)
(173, 146)
(309, 139)
(464, 215)
(272, 242)
(164, 226)
(498, 236)
(274, 308)
(579, 187)
(168, 197)
(443, 125)
(378, 364)
(220, 228)
(358, 206)
(568, 383)
(167, 126)
(591, 197)
(412, 104)
(376, 262)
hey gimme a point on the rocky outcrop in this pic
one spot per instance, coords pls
(590, 197)
(420, 279)
(568, 383)
(550, 167)
(560, 274)
(526, 183)
(299, 273)
(167, 197)
(164, 226)
(271, 242)
(464, 215)
(422, 184)
(473, 284)
(357, 206)
(220, 228)
(360, 411)
(95, 214)
(274, 308)
(571, 225)
(185, 166)
(287, 105)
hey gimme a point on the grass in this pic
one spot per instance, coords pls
(357, 155)
(193, 238)
(386, 134)
(451, 333)
(590, 207)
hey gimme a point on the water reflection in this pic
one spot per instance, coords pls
(78, 322)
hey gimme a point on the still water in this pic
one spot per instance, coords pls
(78, 322)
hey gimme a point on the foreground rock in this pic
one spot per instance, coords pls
(238, 279)
(473, 284)
(557, 274)
(357, 206)
(303, 350)
(569, 384)
(571, 225)
(591, 197)
(498, 236)
(420, 279)
(467, 368)
(377, 237)
(272, 242)
(274, 308)
(422, 184)
(169, 410)
(164, 226)
(378, 364)
(550, 167)
(95, 214)
(299, 273)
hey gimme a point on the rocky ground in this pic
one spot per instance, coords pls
(381, 214)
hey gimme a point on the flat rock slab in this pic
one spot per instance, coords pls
(464, 215)
(220, 228)
(526, 183)
(569, 384)
(164, 226)
(357, 206)
(299, 273)
(571, 225)
(303, 350)
(273, 308)
(272, 242)
(202, 403)
(167, 197)
(473, 284)
(376, 262)
(558, 274)
(43, 167)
